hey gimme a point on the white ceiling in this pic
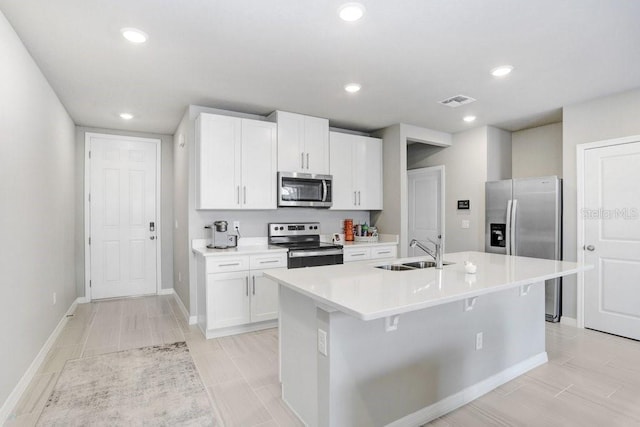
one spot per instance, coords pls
(256, 56)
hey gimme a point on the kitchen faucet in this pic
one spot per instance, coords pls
(435, 254)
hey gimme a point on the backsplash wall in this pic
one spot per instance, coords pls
(254, 223)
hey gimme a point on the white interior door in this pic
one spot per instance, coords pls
(123, 230)
(425, 204)
(610, 213)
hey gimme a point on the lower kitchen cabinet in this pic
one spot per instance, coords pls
(234, 296)
(227, 299)
(365, 252)
(264, 297)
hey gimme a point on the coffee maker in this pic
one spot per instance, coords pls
(220, 237)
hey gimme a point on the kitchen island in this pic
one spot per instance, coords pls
(363, 346)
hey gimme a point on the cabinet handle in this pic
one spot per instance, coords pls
(355, 198)
(229, 265)
(302, 160)
(245, 194)
(307, 160)
(246, 281)
(359, 198)
(254, 285)
(360, 254)
(384, 252)
(269, 262)
(238, 195)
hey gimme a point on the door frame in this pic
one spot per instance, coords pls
(581, 150)
(441, 169)
(87, 206)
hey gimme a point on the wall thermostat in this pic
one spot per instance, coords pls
(463, 204)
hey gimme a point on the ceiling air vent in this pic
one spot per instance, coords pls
(456, 101)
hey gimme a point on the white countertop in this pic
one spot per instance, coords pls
(246, 246)
(383, 240)
(365, 292)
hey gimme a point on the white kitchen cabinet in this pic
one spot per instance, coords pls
(381, 252)
(303, 143)
(366, 252)
(236, 163)
(237, 296)
(228, 302)
(356, 166)
(356, 254)
(264, 297)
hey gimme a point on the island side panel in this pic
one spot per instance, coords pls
(377, 377)
(298, 354)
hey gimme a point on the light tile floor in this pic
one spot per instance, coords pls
(592, 379)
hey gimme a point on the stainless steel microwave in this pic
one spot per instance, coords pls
(304, 190)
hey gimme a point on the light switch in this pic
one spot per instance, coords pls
(466, 223)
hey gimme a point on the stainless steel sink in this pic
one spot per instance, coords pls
(394, 267)
(424, 264)
(417, 265)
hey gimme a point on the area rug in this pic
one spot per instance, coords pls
(155, 386)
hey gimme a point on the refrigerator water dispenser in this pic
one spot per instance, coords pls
(498, 233)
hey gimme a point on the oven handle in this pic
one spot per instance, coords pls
(324, 190)
(300, 254)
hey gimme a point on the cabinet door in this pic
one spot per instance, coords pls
(290, 142)
(264, 297)
(341, 168)
(356, 254)
(218, 156)
(259, 168)
(368, 152)
(228, 299)
(316, 145)
(379, 252)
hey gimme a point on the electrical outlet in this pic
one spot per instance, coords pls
(55, 298)
(236, 226)
(176, 224)
(322, 342)
(479, 341)
(466, 223)
(179, 277)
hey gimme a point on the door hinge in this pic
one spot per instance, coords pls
(89, 153)
(89, 283)
(89, 197)
(89, 241)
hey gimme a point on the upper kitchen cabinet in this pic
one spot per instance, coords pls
(356, 166)
(236, 163)
(303, 143)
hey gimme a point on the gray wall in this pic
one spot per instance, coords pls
(396, 140)
(166, 195)
(604, 118)
(476, 156)
(189, 222)
(37, 215)
(537, 151)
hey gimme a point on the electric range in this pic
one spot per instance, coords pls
(302, 239)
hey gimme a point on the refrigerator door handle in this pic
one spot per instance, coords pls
(508, 230)
(512, 237)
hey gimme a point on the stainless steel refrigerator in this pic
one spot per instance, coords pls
(524, 218)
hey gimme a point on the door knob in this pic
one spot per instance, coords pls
(590, 248)
(153, 237)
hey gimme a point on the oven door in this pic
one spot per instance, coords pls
(314, 258)
(304, 190)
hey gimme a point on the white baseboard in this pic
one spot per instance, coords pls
(82, 300)
(469, 394)
(11, 402)
(166, 291)
(192, 320)
(569, 321)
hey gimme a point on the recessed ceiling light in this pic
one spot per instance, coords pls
(134, 35)
(469, 119)
(352, 87)
(126, 116)
(351, 11)
(502, 70)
